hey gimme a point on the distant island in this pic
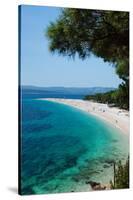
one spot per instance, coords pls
(68, 90)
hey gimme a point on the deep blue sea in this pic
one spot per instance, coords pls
(62, 147)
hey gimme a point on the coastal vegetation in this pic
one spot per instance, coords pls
(118, 98)
(121, 176)
(103, 33)
(120, 179)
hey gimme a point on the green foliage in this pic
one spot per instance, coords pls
(102, 33)
(122, 69)
(119, 97)
(105, 33)
(121, 176)
(101, 98)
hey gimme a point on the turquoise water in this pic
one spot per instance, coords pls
(63, 147)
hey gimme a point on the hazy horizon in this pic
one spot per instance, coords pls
(56, 86)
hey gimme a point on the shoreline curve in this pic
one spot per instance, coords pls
(115, 116)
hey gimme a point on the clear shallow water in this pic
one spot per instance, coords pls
(63, 147)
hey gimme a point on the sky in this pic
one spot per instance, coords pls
(39, 67)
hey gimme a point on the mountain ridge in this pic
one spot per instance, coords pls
(68, 90)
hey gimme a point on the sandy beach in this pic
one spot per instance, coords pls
(117, 117)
